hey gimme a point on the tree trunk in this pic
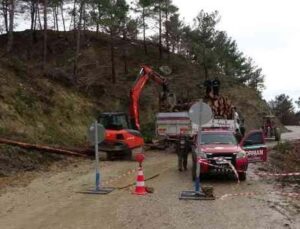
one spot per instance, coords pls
(125, 61)
(74, 18)
(56, 17)
(71, 23)
(75, 73)
(84, 19)
(5, 14)
(99, 17)
(160, 30)
(125, 51)
(35, 16)
(205, 71)
(167, 30)
(45, 35)
(49, 149)
(112, 55)
(32, 14)
(97, 28)
(39, 15)
(144, 31)
(11, 25)
(62, 16)
(204, 65)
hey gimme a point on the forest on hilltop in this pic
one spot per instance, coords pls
(149, 21)
(76, 59)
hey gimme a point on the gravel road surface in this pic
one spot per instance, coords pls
(52, 199)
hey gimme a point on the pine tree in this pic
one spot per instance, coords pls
(144, 9)
(114, 14)
(11, 12)
(45, 35)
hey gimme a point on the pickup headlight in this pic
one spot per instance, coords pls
(200, 154)
(241, 154)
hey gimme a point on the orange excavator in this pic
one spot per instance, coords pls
(123, 135)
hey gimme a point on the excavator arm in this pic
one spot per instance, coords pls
(146, 74)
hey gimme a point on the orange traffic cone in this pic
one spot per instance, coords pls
(140, 183)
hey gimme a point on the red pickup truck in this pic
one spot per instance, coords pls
(217, 148)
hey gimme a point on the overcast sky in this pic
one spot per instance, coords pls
(266, 30)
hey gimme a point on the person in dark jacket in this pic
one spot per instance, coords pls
(216, 86)
(183, 149)
(208, 85)
(238, 135)
(242, 127)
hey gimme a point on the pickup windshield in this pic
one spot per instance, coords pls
(217, 138)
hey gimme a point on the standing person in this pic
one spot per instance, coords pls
(238, 135)
(236, 116)
(216, 86)
(182, 152)
(242, 127)
(208, 85)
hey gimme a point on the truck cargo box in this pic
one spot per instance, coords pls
(172, 124)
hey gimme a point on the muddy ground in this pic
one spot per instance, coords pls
(51, 199)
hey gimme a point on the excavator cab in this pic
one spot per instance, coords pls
(115, 121)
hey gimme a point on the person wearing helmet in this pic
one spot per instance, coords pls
(216, 86)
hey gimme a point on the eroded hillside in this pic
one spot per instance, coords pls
(49, 108)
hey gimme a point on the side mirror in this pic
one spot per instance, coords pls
(248, 143)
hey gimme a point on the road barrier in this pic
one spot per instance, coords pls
(128, 173)
(277, 174)
(252, 194)
(218, 167)
(262, 174)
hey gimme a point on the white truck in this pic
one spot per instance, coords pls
(170, 125)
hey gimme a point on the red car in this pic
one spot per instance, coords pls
(219, 148)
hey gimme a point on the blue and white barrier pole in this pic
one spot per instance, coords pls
(197, 180)
(98, 178)
(198, 169)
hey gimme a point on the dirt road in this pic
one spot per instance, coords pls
(52, 201)
(293, 134)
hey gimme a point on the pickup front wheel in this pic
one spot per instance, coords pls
(194, 168)
(242, 176)
(128, 155)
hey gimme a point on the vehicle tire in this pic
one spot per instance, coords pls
(242, 176)
(128, 155)
(194, 173)
(109, 156)
(194, 167)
